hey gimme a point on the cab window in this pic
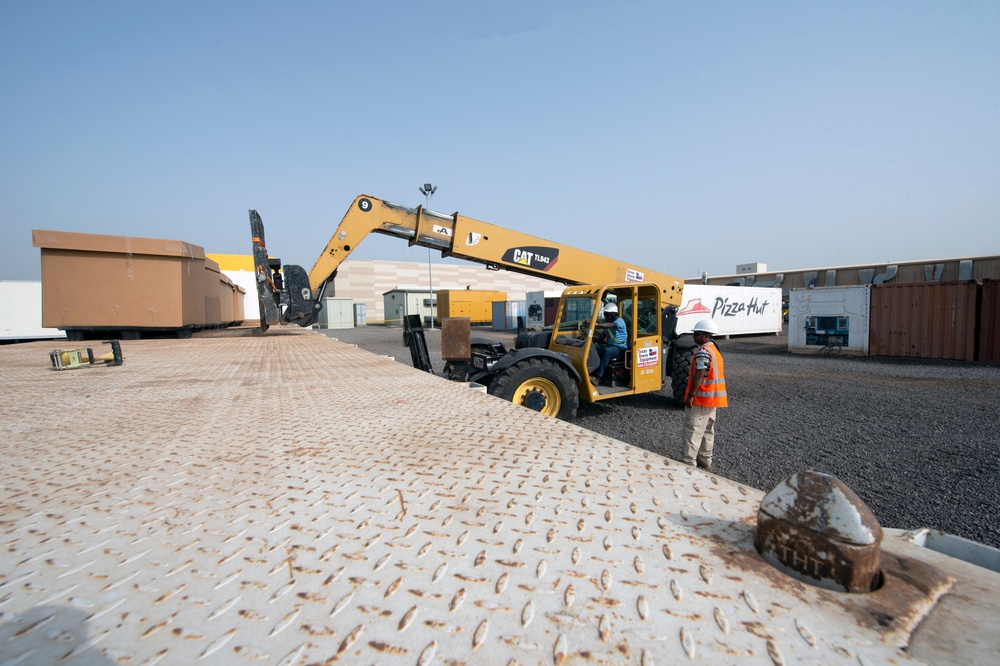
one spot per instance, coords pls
(647, 317)
(575, 309)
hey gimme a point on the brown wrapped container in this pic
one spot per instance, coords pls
(226, 300)
(239, 298)
(219, 309)
(93, 281)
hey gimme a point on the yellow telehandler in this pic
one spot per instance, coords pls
(549, 370)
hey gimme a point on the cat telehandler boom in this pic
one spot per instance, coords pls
(549, 370)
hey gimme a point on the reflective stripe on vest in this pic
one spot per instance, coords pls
(712, 391)
(619, 335)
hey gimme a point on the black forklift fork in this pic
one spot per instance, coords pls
(413, 337)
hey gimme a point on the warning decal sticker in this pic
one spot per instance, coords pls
(632, 275)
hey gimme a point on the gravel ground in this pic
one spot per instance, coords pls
(919, 441)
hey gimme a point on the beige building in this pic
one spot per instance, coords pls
(366, 282)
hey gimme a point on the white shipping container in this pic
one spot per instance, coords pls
(735, 310)
(535, 307)
(826, 320)
(21, 312)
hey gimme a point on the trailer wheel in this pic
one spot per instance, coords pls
(680, 371)
(538, 384)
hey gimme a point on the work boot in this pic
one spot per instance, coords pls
(705, 466)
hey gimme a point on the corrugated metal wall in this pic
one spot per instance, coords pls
(505, 314)
(931, 270)
(927, 320)
(989, 323)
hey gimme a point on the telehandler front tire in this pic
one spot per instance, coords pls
(680, 371)
(539, 384)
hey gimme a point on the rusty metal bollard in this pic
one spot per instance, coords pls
(814, 528)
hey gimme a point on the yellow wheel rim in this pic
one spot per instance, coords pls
(539, 394)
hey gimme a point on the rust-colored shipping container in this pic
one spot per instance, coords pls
(924, 320)
(551, 309)
(456, 339)
(989, 323)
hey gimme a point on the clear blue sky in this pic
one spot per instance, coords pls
(681, 136)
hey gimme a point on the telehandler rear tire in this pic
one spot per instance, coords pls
(539, 384)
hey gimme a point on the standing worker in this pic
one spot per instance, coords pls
(616, 341)
(706, 392)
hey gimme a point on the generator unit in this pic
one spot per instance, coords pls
(828, 331)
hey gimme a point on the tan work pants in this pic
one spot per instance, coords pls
(699, 435)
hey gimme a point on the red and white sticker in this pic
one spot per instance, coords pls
(649, 356)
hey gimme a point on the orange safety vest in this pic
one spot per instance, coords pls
(712, 391)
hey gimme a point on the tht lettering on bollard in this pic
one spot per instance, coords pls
(814, 528)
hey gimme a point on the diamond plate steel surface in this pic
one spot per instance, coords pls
(289, 499)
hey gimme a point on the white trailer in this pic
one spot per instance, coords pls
(21, 312)
(246, 280)
(736, 310)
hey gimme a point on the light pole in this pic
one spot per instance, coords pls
(428, 191)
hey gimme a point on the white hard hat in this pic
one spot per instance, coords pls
(611, 307)
(706, 326)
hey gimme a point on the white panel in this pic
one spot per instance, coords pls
(21, 312)
(245, 279)
(535, 309)
(736, 310)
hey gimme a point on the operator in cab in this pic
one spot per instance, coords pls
(615, 340)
